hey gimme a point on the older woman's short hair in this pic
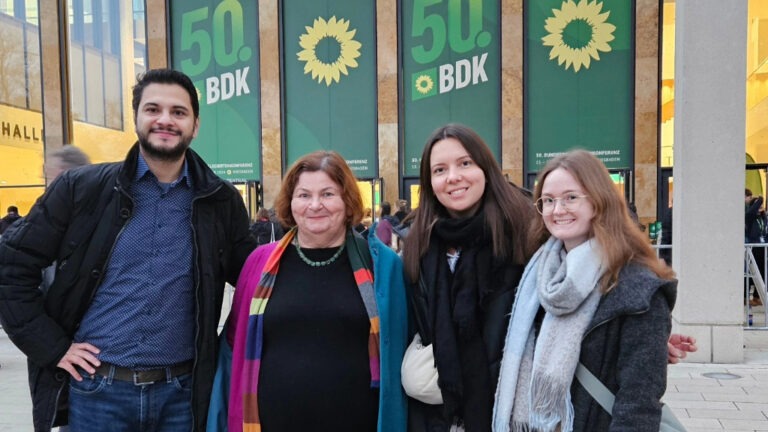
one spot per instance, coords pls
(337, 169)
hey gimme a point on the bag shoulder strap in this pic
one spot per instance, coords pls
(595, 387)
(604, 397)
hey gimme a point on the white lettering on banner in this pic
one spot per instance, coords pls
(463, 73)
(446, 78)
(478, 69)
(232, 165)
(226, 86)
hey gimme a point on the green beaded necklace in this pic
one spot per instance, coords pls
(317, 263)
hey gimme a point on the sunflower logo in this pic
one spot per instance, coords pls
(424, 84)
(577, 32)
(329, 49)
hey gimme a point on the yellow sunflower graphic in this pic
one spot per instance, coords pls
(577, 32)
(424, 84)
(338, 39)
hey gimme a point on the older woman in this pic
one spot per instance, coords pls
(317, 341)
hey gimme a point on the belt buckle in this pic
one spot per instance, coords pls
(136, 375)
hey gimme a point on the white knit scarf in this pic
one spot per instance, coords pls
(533, 393)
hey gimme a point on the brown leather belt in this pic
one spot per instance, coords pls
(144, 376)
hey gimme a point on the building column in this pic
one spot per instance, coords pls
(55, 81)
(157, 34)
(708, 218)
(271, 108)
(388, 132)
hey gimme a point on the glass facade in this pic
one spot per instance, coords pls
(107, 49)
(667, 85)
(94, 58)
(757, 81)
(756, 145)
(21, 122)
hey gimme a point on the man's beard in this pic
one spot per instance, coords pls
(165, 154)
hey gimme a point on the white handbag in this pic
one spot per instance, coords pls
(419, 374)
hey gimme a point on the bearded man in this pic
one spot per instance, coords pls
(125, 336)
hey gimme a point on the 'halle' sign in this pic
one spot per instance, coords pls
(18, 131)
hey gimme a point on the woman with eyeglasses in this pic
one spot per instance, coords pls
(594, 293)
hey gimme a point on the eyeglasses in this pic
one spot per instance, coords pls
(570, 202)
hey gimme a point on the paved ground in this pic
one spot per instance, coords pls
(15, 403)
(702, 404)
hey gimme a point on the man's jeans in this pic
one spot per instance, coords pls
(100, 403)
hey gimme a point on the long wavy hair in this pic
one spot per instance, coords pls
(337, 169)
(508, 212)
(614, 230)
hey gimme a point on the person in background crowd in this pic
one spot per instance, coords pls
(593, 294)
(463, 258)
(363, 227)
(9, 219)
(754, 232)
(632, 208)
(402, 210)
(58, 162)
(144, 248)
(264, 230)
(754, 218)
(63, 159)
(318, 327)
(386, 224)
(666, 236)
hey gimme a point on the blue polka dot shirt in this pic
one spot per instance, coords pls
(142, 315)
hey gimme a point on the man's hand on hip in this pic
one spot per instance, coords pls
(81, 355)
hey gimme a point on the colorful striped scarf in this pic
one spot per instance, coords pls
(360, 259)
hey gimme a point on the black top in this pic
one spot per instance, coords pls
(315, 373)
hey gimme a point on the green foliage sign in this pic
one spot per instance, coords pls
(216, 43)
(579, 73)
(451, 71)
(329, 63)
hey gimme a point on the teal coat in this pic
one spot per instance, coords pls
(389, 286)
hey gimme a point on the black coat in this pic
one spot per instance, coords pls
(752, 228)
(493, 316)
(76, 223)
(625, 347)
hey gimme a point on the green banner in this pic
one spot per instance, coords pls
(579, 76)
(329, 63)
(216, 43)
(451, 62)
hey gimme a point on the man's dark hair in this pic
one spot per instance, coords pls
(164, 76)
(386, 208)
(13, 209)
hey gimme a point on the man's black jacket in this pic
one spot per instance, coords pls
(76, 223)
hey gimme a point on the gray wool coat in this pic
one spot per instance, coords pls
(625, 346)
